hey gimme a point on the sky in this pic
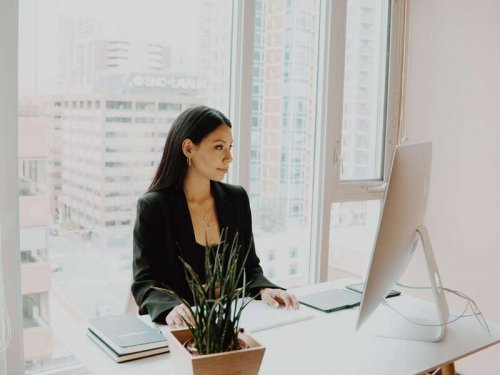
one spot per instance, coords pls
(175, 23)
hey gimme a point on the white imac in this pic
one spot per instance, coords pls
(399, 230)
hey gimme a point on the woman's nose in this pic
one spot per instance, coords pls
(229, 156)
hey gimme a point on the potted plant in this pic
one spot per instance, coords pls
(215, 344)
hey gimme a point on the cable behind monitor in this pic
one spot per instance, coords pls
(476, 312)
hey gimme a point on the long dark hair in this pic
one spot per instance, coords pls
(194, 123)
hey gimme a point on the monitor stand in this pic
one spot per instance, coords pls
(388, 323)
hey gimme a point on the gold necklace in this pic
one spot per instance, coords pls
(207, 218)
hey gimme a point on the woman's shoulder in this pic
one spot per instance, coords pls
(231, 190)
(155, 198)
(234, 193)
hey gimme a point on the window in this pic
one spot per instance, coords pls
(271, 255)
(84, 164)
(365, 73)
(271, 272)
(92, 155)
(144, 106)
(279, 221)
(116, 104)
(352, 233)
(169, 107)
(366, 137)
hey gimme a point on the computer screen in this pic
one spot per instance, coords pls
(402, 215)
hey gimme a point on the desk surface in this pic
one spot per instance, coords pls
(328, 344)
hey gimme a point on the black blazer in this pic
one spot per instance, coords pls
(163, 231)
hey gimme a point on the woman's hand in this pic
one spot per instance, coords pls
(174, 317)
(277, 297)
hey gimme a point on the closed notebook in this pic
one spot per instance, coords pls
(125, 357)
(126, 334)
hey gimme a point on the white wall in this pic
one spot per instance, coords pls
(453, 99)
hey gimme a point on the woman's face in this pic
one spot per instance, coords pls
(212, 156)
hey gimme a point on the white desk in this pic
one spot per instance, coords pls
(327, 344)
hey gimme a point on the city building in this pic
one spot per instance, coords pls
(283, 110)
(34, 211)
(215, 47)
(111, 145)
(362, 110)
(100, 58)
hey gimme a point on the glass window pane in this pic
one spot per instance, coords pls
(364, 90)
(353, 227)
(281, 163)
(100, 84)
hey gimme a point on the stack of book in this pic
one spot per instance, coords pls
(126, 337)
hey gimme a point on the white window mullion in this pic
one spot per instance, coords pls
(328, 137)
(10, 265)
(241, 88)
(395, 84)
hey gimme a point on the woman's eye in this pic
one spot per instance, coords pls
(219, 147)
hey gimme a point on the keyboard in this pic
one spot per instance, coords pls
(259, 316)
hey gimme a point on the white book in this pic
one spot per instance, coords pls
(125, 357)
(126, 334)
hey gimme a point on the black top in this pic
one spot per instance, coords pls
(163, 231)
(198, 261)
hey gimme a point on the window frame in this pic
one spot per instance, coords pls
(327, 185)
(329, 188)
(240, 107)
(370, 189)
(12, 360)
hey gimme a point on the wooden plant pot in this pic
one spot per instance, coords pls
(241, 362)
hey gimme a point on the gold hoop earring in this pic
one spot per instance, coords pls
(188, 160)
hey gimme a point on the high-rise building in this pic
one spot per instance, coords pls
(215, 46)
(362, 87)
(102, 57)
(283, 107)
(120, 98)
(111, 146)
(73, 33)
(34, 212)
(285, 58)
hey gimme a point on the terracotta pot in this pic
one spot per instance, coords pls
(241, 362)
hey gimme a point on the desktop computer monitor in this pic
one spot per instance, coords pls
(400, 227)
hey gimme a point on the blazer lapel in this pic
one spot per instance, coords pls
(181, 221)
(226, 213)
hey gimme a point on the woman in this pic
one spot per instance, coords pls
(184, 210)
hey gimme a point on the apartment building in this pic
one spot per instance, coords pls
(34, 210)
(111, 145)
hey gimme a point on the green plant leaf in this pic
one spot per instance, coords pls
(217, 316)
